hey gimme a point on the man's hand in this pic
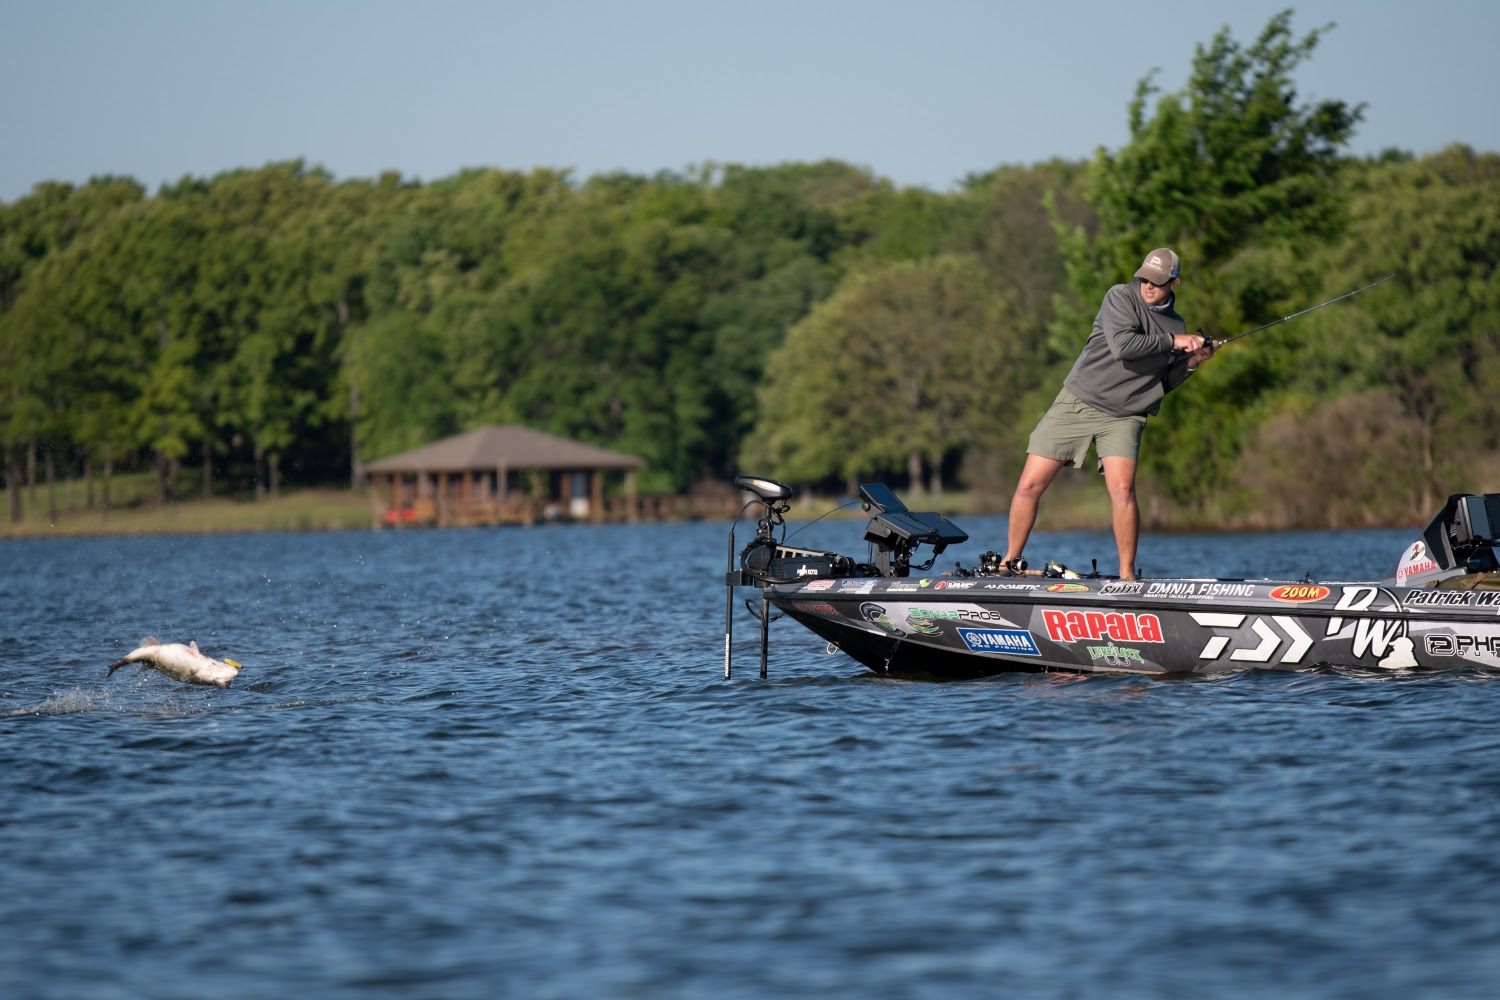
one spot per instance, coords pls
(1204, 351)
(1187, 342)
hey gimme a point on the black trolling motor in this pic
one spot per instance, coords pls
(767, 560)
(893, 531)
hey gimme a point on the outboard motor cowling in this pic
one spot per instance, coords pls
(1459, 541)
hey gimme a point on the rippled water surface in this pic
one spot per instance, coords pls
(506, 763)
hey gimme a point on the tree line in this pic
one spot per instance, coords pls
(808, 321)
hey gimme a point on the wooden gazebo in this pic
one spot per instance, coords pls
(501, 474)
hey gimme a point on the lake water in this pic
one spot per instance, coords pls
(506, 763)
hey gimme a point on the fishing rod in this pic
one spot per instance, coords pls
(1220, 343)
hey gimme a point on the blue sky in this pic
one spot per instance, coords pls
(923, 93)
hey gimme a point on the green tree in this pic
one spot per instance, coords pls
(1233, 160)
(900, 366)
(1236, 174)
(1427, 342)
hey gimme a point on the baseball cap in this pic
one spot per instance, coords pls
(1160, 266)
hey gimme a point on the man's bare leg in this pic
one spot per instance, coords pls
(1036, 476)
(1119, 478)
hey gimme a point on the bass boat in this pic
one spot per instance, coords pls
(1438, 607)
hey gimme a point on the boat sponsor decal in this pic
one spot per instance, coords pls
(1067, 588)
(1116, 656)
(925, 582)
(1122, 588)
(857, 586)
(1012, 586)
(1073, 626)
(952, 585)
(1376, 635)
(1451, 644)
(817, 585)
(903, 587)
(1262, 642)
(983, 615)
(924, 620)
(1299, 593)
(875, 615)
(1368, 636)
(816, 609)
(1199, 590)
(1365, 597)
(999, 640)
(1415, 562)
(1452, 598)
(1400, 655)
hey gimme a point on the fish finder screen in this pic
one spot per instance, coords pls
(880, 495)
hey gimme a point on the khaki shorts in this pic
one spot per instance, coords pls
(1068, 428)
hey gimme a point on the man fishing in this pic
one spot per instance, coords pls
(1126, 367)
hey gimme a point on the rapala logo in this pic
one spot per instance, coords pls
(1073, 626)
(1300, 593)
(1067, 588)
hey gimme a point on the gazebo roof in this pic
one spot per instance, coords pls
(507, 445)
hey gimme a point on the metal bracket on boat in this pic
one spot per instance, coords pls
(773, 498)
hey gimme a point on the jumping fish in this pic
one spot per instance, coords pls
(181, 663)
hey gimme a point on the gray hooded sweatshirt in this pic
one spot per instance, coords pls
(1126, 366)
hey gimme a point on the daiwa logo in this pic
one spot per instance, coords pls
(1073, 626)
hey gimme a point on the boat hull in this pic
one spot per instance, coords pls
(978, 626)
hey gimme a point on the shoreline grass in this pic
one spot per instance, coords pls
(294, 510)
(1076, 502)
